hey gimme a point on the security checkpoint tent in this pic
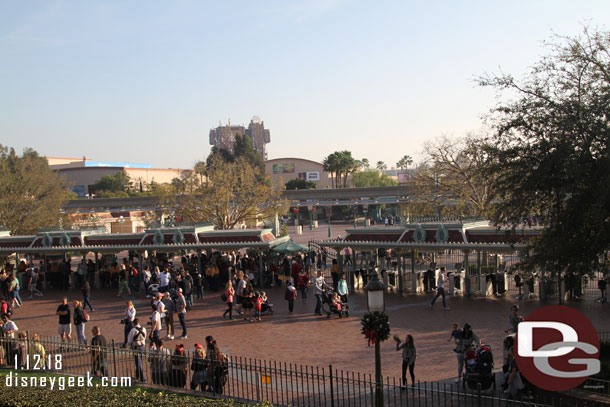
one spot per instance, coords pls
(466, 238)
(290, 247)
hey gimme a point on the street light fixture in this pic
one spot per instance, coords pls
(375, 303)
(121, 221)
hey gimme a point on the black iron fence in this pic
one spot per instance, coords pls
(246, 379)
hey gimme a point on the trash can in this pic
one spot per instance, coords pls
(500, 283)
(451, 280)
(457, 281)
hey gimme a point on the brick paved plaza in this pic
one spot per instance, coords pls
(303, 338)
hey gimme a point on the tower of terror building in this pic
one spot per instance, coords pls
(224, 136)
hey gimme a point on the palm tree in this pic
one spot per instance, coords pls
(381, 166)
(365, 163)
(404, 162)
(331, 165)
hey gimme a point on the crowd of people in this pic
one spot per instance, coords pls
(172, 290)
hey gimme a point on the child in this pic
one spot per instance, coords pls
(336, 301)
(290, 295)
(456, 334)
(258, 305)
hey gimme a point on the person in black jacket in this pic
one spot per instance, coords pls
(79, 322)
(98, 353)
(199, 366)
(86, 290)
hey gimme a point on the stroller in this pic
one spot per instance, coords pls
(152, 290)
(328, 308)
(479, 369)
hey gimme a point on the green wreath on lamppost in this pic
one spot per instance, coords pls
(376, 327)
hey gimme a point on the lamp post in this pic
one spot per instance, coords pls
(330, 211)
(375, 303)
(121, 221)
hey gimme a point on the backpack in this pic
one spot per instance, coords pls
(140, 333)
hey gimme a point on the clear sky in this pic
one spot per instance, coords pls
(144, 81)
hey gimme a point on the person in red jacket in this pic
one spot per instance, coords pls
(290, 295)
(302, 282)
(295, 270)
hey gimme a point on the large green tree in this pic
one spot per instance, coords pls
(243, 148)
(372, 178)
(341, 164)
(234, 193)
(299, 183)
(113, 183)
(31, 194)
(550, 152)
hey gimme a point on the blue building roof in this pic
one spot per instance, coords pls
(113, 164)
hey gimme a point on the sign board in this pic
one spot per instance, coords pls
(287, 168)
(313, 176)
(403, 177)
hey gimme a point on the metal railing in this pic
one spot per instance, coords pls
(250, 380)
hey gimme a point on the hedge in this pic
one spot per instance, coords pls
(100, 396)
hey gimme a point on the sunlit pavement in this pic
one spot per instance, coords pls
(304, 339)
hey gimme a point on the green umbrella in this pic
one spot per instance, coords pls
(290, 247)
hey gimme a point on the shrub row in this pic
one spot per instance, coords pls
(101, 396)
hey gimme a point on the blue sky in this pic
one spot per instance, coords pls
(144, 81)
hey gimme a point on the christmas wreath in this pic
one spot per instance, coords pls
(375, 327)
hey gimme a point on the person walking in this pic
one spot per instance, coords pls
(181, 310)
(169, 307)
(440, 286)
(290, 295)
(80, 318)
(514, 319)
(155, 330)
(334, 273)
(14, 288)
(123, 282)
(65, 323)
(408, 358)
(302, 282)
(342, 288)
(230, 294)
(130, 314)
(86, 290)
(137, 341)
(318, 290)
(468, 341)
